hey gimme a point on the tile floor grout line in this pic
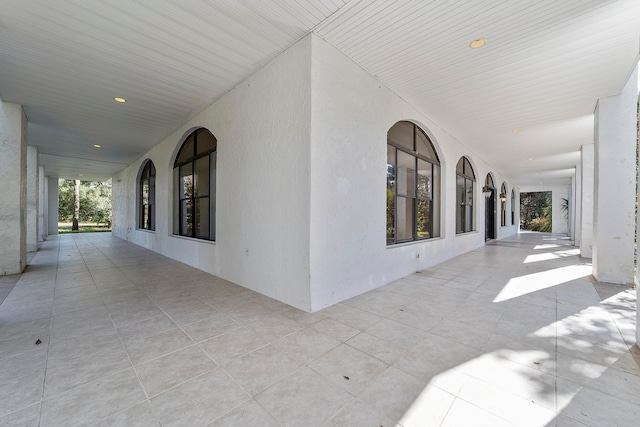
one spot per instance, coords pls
(46, 363)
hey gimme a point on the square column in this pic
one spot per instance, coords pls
(13, 175)
(586, 216)
(614, 193)
(32, 198)
(42, 205)
(52, 206)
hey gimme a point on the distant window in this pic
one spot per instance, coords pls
(413, 185)
(513, 207)
(465, 188)
(147, 199)
(503, 205)
(195, 186)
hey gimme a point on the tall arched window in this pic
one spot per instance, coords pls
(503, 205)
(513, 207)
(465, 184)
(147, 197)
(195, 186)
(413, 185)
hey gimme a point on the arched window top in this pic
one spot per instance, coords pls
(409, 137)
(489, 181)
(465, 169)
(148, 170)
(147, 196)
(201, 142)
(513, 194)
(503, 189)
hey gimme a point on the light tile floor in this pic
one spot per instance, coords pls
(515, 333)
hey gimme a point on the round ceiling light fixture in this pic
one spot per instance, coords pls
(118, 99)
(478, 43)
(97, 146)
(516, 130)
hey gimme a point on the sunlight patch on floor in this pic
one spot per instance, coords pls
(519, 286)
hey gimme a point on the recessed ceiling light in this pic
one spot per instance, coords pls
(529, 158)
(97, 146)
(516, 130)
(477, 43)
(80, 174)
(118, 99)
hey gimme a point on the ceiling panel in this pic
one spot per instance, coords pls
(545, 64)
(65, 61)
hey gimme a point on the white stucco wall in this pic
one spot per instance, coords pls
(301, 184)
(262, 234)
(351, 114)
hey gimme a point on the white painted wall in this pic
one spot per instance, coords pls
(351, 114)
(13, 176)
(301, 184)
(263, 132)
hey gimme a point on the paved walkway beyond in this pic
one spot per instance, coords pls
(100, 331)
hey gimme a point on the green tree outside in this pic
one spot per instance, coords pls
(95, 201)
(535, 211)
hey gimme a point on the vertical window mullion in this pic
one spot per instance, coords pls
(395, 191)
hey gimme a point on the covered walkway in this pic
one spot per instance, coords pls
(98, 330)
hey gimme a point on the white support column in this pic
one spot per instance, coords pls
(42, 206)
(52, 206)
(586, 221)
(13, 171)
(614, 193)
(32, 198)
(577, 206)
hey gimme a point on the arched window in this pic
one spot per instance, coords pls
(503, 205)
(147, 197)
(465, 183)
(195, 186)
(513, 207)
(413, 185)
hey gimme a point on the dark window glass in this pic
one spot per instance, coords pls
(147, 197)
(195, 186)
(413, 179)
(401, 135)
(206, 142)
(513, 207)
(503, 205)
(465, 179)
(187, 151)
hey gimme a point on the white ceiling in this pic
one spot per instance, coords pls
(545, 64)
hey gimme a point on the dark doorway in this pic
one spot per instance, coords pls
(489, 191)
(490, 215)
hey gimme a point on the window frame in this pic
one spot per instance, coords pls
(194, 162)
(513, 207)
(147, 211)
(503, 205)
(468, 176)
(416, 195)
